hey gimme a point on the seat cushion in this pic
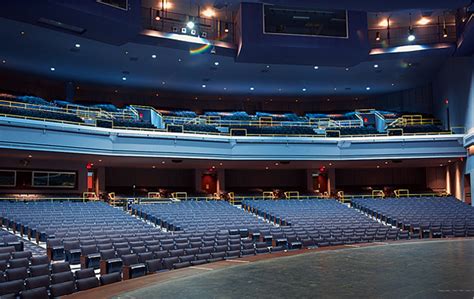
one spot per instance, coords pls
(87, 283)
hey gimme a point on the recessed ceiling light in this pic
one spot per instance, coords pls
(153, 56)
(328, 99)
(213, 167)
(276, 164)
(386, 162)
(367, 88)
(30, 156)
(52, 69)
(4, 61)
(124, 78)
(204, 86)
(393, 84)
(376, 65)
(252, 88)
(347, 68)
(209, 13)
(316, 67)
(157, 94)
(153, 166)
(116, 91)
(100, 160)
(304, 89)
(378, 166)
(163, 162)
(279, 89)
(268, 66)
(220, 164)
(163, 82)
(441, 165)
(216, 63)
(449, 161)
(335, 88)
(126, 52)
(22, 33)
(179, 60)
(77, 45)
(225, 88)
(266, 167)
(330, 164)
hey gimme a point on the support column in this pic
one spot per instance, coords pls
(332, 181)
(448, 180)
(198, 180)
(459, 180)
(100, 181)
(309, 181)
(220, 180)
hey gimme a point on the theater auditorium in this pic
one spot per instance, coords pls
(236, 149)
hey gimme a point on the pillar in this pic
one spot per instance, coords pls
(459, 180)
(331, 181)
(448, 180)
(100, 181)
(220, 180)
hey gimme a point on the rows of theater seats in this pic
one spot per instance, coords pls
(124, 123)
(423, 217)
(183, 128)
(277, 130)
(40, 114)
(35, 277)
(319, 223)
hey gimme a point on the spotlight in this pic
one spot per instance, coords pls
(411, 34)
(377, 36)
(190, 24)
(445, 32)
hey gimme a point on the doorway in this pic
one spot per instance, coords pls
(209, 183)
(467, 189)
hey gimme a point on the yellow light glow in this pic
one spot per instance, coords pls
(423, 21)
(384, 23)
(165, 5)
(209, 13)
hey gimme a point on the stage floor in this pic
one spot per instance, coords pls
(420, 269)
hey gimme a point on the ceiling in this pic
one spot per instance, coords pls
(37, 50)
(154, 163)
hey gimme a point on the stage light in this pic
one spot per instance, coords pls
(377, 35)
(411, 34)
(190, 24)
(209, 13)
(423, 21)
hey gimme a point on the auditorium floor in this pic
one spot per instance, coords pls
(420, 269)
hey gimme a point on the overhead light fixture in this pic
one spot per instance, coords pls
(52, 69)
(190, 24)
(445, 30)
(209, 13)
(252, 88)
(226, 28)
(216, 63)
(383, 23)
(77, 45)
(377, 36)
(411, 32)
(203, 86)
(316, 67)
(367, 88)
(304, 89)
(153, 56)
(124, 78)
(376, 65)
